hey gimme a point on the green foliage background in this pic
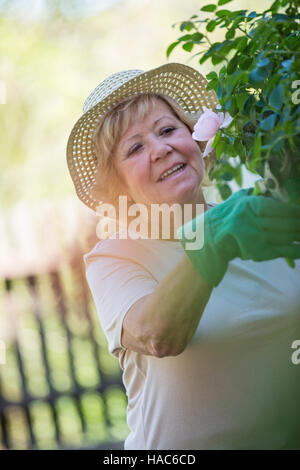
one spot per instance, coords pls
(259, 59)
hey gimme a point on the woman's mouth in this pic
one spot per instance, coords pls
(171, 174)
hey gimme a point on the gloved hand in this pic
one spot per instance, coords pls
(292, 185)
(244, 226)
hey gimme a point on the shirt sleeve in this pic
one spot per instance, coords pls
(116, 284)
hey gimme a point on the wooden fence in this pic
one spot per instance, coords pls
(59, 386)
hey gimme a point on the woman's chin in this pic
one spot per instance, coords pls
(186, 194)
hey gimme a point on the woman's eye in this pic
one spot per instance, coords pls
(167, 130)
(137, 147)
(134, 149)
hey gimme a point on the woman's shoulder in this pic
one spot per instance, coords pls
(117, 244)
(121, 245)
(156, 256)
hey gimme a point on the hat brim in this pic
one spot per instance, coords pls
(180, 82)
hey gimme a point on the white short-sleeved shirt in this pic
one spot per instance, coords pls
(235, 385)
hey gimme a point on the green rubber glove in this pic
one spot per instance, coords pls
(244, 226)
(292, 185)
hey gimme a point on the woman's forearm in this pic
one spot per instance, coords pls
(170, 315)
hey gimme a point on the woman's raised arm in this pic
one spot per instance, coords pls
(162, 323)
(243, 226)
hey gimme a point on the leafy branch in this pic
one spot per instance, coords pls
(259, 67)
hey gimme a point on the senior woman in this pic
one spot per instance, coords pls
(203, 333)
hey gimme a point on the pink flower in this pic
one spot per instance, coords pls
(208, 125)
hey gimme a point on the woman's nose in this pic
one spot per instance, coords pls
(159, 149)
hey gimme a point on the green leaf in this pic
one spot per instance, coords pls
(186, 37)
(279, 17)
(257, 189)
(222, 13)
(254, 45)
(188, 46)
(211, 26)
(222, 2)
(272, 82)
(286, 64)
(217, 58)
(197, 37)
(249, 102)
(275, 5)
(223, 70)
(227, 176)
(251, 165)
(276, 97)
(171, 47)
(268, 123)
(284, 117)
(233, 106)
(215, 47)
(209, 7)
(186, 25)
(240, 100)
(238, 176)
(217, 138)
(230, 33)
(237, 145)
(263, 62)
(204, 58)
(225, 191)
(219, 91)
(245, 63)
(242, 44)
(219, 148)
(290, 262)
(232, 80)
(258, 75)
(233, 64)
(211, 76)
(213, 84)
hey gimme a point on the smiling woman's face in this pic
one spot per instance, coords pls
(152, 146)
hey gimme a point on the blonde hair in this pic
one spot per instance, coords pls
(108, 183)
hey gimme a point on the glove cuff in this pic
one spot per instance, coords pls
(197, 241)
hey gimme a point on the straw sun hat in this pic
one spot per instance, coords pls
(183, 84)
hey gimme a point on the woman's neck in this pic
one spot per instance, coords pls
(161, 221)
